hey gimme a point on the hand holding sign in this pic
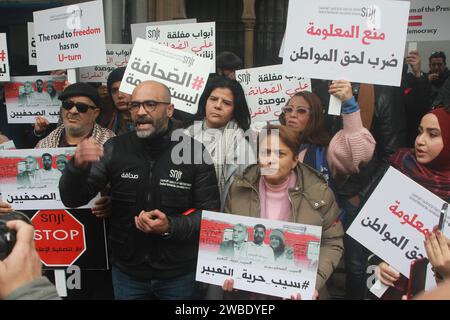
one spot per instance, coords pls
(342, 90)
(387, 274)
(41, 125)
(87, 152)
(5, 208)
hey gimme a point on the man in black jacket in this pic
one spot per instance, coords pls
(156, 204)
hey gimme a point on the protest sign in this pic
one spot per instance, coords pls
(182, 72)
(9, 145)
(139, 30)
(4, 61)
(29, 179)
(362, 41)
(31, 45)
(196, 38)
(394, 222)
(268, 89)
(429, 20)
(286, 267)
(70, 37)
(59, 236)
(31, 97)
(117, 56)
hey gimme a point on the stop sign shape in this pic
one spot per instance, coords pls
(59, 237)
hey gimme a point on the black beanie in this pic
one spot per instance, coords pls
(82, 90)
(228, 60)
(116, 75)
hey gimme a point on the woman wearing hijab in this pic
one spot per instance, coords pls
(429, 166)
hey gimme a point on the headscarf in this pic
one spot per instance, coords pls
(434, 176)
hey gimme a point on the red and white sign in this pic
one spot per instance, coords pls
(429, 20)
(59, 237)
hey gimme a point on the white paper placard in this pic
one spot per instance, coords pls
(429, 20)
(138, 30)
(31, 45)
(4, 60)
(196, 38)
(185, 74)
(361, 41)
(70, 37)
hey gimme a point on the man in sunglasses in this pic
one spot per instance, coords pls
(156, 199)
(80, 108)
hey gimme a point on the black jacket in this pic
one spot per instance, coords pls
(142, 176)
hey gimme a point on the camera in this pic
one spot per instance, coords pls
(7, 236)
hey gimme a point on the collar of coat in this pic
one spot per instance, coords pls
(310, 184)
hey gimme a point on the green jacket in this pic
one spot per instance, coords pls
(313, 203)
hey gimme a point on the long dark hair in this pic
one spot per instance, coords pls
(241, 113)
(315, 131)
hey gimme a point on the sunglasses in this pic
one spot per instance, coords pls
(81, 107)
(300, 111)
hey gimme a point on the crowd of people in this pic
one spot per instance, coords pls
(312, 169)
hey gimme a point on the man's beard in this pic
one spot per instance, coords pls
(158, 126)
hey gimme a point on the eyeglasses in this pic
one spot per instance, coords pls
(149, 105)
(81, 107)
(302, 111)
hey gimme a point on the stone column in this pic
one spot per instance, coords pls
(151, 9)
(249, 20)
(113, 11)
(139, 10)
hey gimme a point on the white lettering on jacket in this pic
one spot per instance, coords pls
(129, 175)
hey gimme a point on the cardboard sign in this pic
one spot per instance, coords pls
(362, 41)
(117, 55)
(285, 263)
(394, 222)
(183, 73)
(70, 37)
(4, 61)
(196, 38)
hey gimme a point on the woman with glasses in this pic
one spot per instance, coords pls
(220, 122)
(349, 149)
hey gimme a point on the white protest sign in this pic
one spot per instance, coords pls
(9, 145)
(31, 45)
(359, 41)
(184, 73)
(31, 97)
(139, 30)
(429, 20)
(281, 53)
(285, 263)
(268, 89)
(70, 37)
(196, 38)
(4, 61)
(117, 55)
(28, 182)
(394, 222)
